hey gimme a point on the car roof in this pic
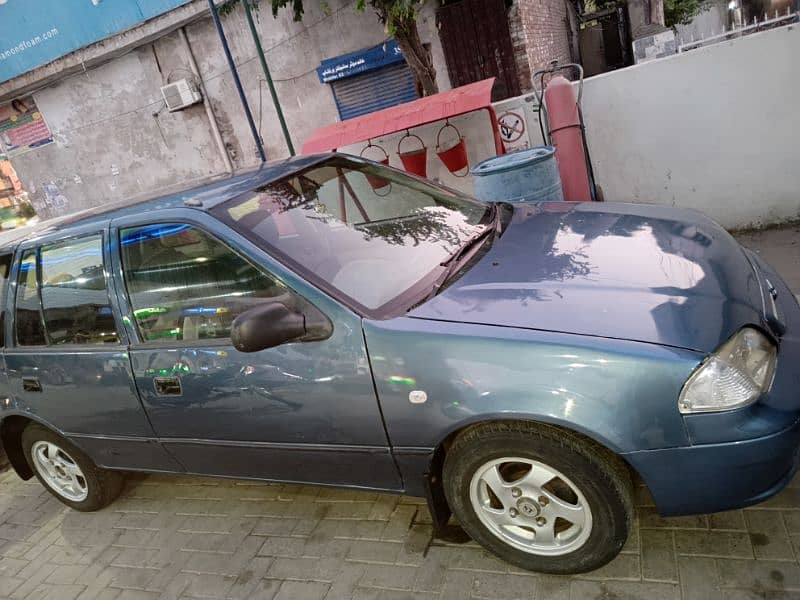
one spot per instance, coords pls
(203, 197)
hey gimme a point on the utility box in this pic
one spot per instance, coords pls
(180, 94)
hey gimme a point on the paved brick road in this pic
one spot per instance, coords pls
(180, 537)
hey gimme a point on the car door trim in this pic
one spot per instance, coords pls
(278, 445)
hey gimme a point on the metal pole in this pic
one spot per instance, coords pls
(257, 40)
(212, 119)
(236, 80)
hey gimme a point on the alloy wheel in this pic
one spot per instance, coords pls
(60, 471)
(530, 506)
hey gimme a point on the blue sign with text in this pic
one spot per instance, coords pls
(359, 61)
(36, 32)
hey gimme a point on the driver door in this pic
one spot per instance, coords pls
(301, 412)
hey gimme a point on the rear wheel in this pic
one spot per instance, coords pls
(541, 498)
(67, 472)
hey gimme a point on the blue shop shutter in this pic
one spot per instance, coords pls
(374, 90)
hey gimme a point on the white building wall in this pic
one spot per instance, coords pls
(715, 129)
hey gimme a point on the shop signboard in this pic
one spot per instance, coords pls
(359, 62)
(36, 32)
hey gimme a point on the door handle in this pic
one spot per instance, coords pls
(31, 384)
(167, 386)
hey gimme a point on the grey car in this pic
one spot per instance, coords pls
(330, 321)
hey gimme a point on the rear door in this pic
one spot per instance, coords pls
(302, 411)
(66, 354)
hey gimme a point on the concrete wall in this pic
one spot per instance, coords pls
(293, 51)
(114, 139)
(714, 129)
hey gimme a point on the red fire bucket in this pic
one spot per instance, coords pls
(414, 161)
(375, 181)
(455, 157)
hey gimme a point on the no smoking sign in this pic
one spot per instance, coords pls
(512, 126)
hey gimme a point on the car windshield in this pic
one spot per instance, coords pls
(371, 234)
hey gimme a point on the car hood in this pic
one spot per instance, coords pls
(629, 271)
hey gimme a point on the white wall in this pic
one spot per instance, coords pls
(716, 129)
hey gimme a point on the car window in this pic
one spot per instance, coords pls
(5, 267)
(368, 233)
(185, 285)
(28, 317)
(74, 293)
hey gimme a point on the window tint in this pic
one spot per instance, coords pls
(5, 267)
(74, 293)
(185, 285)
(28, 320)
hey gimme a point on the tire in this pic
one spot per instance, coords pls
(67, 472)
(563, 503)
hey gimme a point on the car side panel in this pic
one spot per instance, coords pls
(622, 394)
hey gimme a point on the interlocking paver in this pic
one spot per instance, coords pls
(553, 587)
(761, 574)
(732, 519)
(623, 590)
(768, 534)
(713, 543)
(658, 555)
(350, 545)
(302, 590)
(699, 578)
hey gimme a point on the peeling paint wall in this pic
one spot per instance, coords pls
(114, 138)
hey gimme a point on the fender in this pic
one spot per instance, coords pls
(11, 427)
(621, 394)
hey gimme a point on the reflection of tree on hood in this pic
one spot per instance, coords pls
(540, 241)
(592, 226)
(666, 232)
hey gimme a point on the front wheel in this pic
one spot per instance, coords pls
(539, 497)
(67, 472)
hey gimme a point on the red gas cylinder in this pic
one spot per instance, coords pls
(565, 135)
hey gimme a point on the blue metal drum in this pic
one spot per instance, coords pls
(526, 175)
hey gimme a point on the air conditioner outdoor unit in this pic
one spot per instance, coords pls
(180, 94)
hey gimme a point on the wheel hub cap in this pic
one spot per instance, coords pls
(531, 506)
(528, 507)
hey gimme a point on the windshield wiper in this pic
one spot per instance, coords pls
(453, 262)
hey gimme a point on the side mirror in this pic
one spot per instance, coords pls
(266, 326)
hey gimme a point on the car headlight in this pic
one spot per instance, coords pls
(733, 376)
